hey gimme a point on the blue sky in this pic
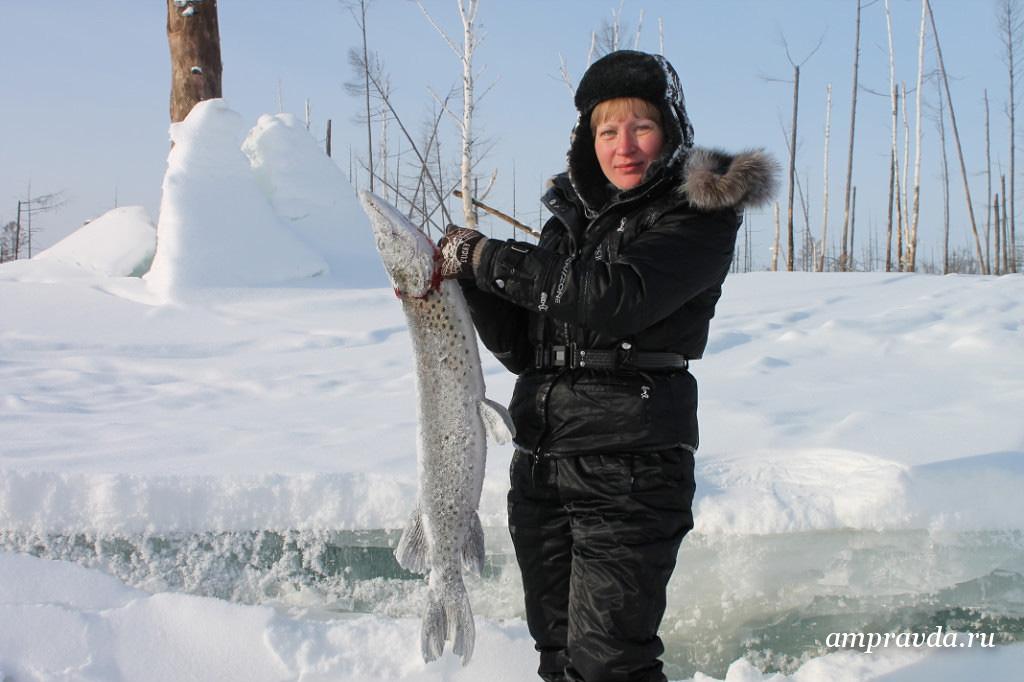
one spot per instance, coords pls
(85, 89)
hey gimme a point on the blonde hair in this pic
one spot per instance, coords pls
(620, 106)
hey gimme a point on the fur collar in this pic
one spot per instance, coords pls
(713, 179)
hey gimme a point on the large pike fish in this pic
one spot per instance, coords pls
(444, 532)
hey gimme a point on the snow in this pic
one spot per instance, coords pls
(216, 227)
(120, 243)
(862, 451)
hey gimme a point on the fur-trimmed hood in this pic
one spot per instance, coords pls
(713, 179)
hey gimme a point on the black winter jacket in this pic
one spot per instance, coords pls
(647, 270)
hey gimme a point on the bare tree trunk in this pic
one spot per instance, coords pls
(995, 270)
(775, 244)
(467, 13)
(17, 234)
(908, 248)
(988, 186)
(1006, 224)
(469, 43)
(366, 83)
(845, 248)
(916, 209)
(893, 177)
(328, 149)
(820, 265)
(853, 222)
(194, 39)
(956, 138)
(945, 182)
(894, 105)
(1012, 25)
(792, 170)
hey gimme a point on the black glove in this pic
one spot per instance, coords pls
(460, 247)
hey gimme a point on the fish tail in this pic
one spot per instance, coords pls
(448, 616)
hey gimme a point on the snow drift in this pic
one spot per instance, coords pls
(120, 243)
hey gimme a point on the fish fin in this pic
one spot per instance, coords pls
(434, 628)
(473, 549)
(460, 617)
(448, 617)
(411, 552)
(497, 421)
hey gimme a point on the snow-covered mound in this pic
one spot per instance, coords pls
(120, 243)
(63, 622)
(309, 190)
(217, 227)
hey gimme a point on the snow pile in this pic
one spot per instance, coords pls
(120, 243)
(307, 189)
(67, 622)
(217, 227)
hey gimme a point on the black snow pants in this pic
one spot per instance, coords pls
(596, 538)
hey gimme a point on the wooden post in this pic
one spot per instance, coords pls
(194, 39)
(329, 145)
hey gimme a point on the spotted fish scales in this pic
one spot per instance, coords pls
(444, 534)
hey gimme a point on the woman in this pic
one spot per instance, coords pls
(600, 320)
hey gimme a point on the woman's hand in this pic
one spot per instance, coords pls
(460, 252)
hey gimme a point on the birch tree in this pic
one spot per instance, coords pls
(193, 36)
(470, 41)
(916, 208)
(894, 181)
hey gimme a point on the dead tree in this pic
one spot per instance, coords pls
(470, 41)
(996, 266)
(1011, 21)
(365, 63)
(894, 186)
(941, 121)
(820, 264)
(792, 169)
(988, 183)
(905, 220)
(792, 146)
(845, 247)
(775, 244)
(956, 139)
(1006, 232)
(194, 39)
(916, 208)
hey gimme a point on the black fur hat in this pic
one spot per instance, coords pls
(626, 73)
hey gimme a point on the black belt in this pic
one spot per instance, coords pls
(547, 357)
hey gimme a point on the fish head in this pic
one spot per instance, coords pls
(409, 257)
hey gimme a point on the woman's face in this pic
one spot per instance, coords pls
(625, 147)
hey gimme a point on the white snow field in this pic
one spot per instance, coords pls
(203, 471)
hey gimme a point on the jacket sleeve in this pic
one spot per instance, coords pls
(671, 262)
(502, 326)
